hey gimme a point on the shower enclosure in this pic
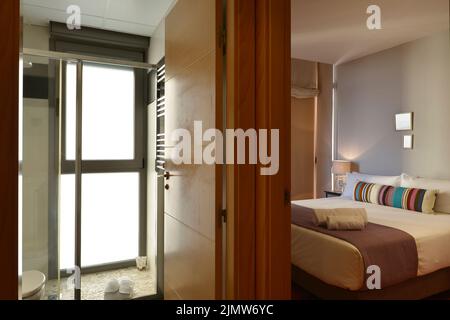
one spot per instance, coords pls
(86, 217)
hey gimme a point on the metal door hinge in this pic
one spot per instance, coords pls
(223, 214)
(223, 40)
(287, 197)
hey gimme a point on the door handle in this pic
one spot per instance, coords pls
(167, 175)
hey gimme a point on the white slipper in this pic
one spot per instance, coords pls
(112, 286)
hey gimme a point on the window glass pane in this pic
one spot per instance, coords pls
(109, 222)
(108, 112)
(70, 111)
(67, 222)
(110, 218)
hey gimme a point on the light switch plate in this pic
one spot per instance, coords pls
(408, 142)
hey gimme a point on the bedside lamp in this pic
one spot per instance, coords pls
(340, 168)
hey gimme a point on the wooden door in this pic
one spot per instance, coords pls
(192, 256)
(9, 141)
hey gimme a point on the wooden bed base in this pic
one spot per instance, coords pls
(414, 289)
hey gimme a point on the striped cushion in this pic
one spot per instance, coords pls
(419, 200)
(366, 192)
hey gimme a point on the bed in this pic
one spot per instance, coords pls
(332, 268)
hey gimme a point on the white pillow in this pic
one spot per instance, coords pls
(442, 204)
(354, 177)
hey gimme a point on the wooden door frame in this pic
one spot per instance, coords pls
(9, 142)
(218, 91)
(258, 96)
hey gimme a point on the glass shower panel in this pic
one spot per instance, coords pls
(116, 232)
(39, 174)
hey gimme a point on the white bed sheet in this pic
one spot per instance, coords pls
(339, 263)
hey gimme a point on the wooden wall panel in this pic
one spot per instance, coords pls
(9, 93)
(193, 200)
(190, 262)
(190, 34)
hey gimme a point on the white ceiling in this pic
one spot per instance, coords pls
(335, 32)
(139, 17)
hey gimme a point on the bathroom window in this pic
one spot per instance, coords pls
(108, 113)
(110, 219)
(113, 180)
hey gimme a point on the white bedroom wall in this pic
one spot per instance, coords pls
(413, 77)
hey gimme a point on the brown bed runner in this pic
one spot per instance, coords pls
(393, 250)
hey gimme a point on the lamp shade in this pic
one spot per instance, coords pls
(341, 167)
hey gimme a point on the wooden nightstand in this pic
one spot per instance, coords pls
(331, 194)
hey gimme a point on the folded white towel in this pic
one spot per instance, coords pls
(126, 286)
(321, 215)
(345, 222)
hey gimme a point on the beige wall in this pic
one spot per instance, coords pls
(303, 74)
(308, 74)
(324, 133)
(36, 37)
(302, 148)
(35, 185)
(412, 77)
(35, 165)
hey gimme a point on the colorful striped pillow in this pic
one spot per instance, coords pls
(419, 200)
(366, 192)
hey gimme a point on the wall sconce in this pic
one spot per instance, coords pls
(340, 169)
(404, 121)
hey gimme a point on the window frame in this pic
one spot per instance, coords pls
(109, 44)
(105, 166)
